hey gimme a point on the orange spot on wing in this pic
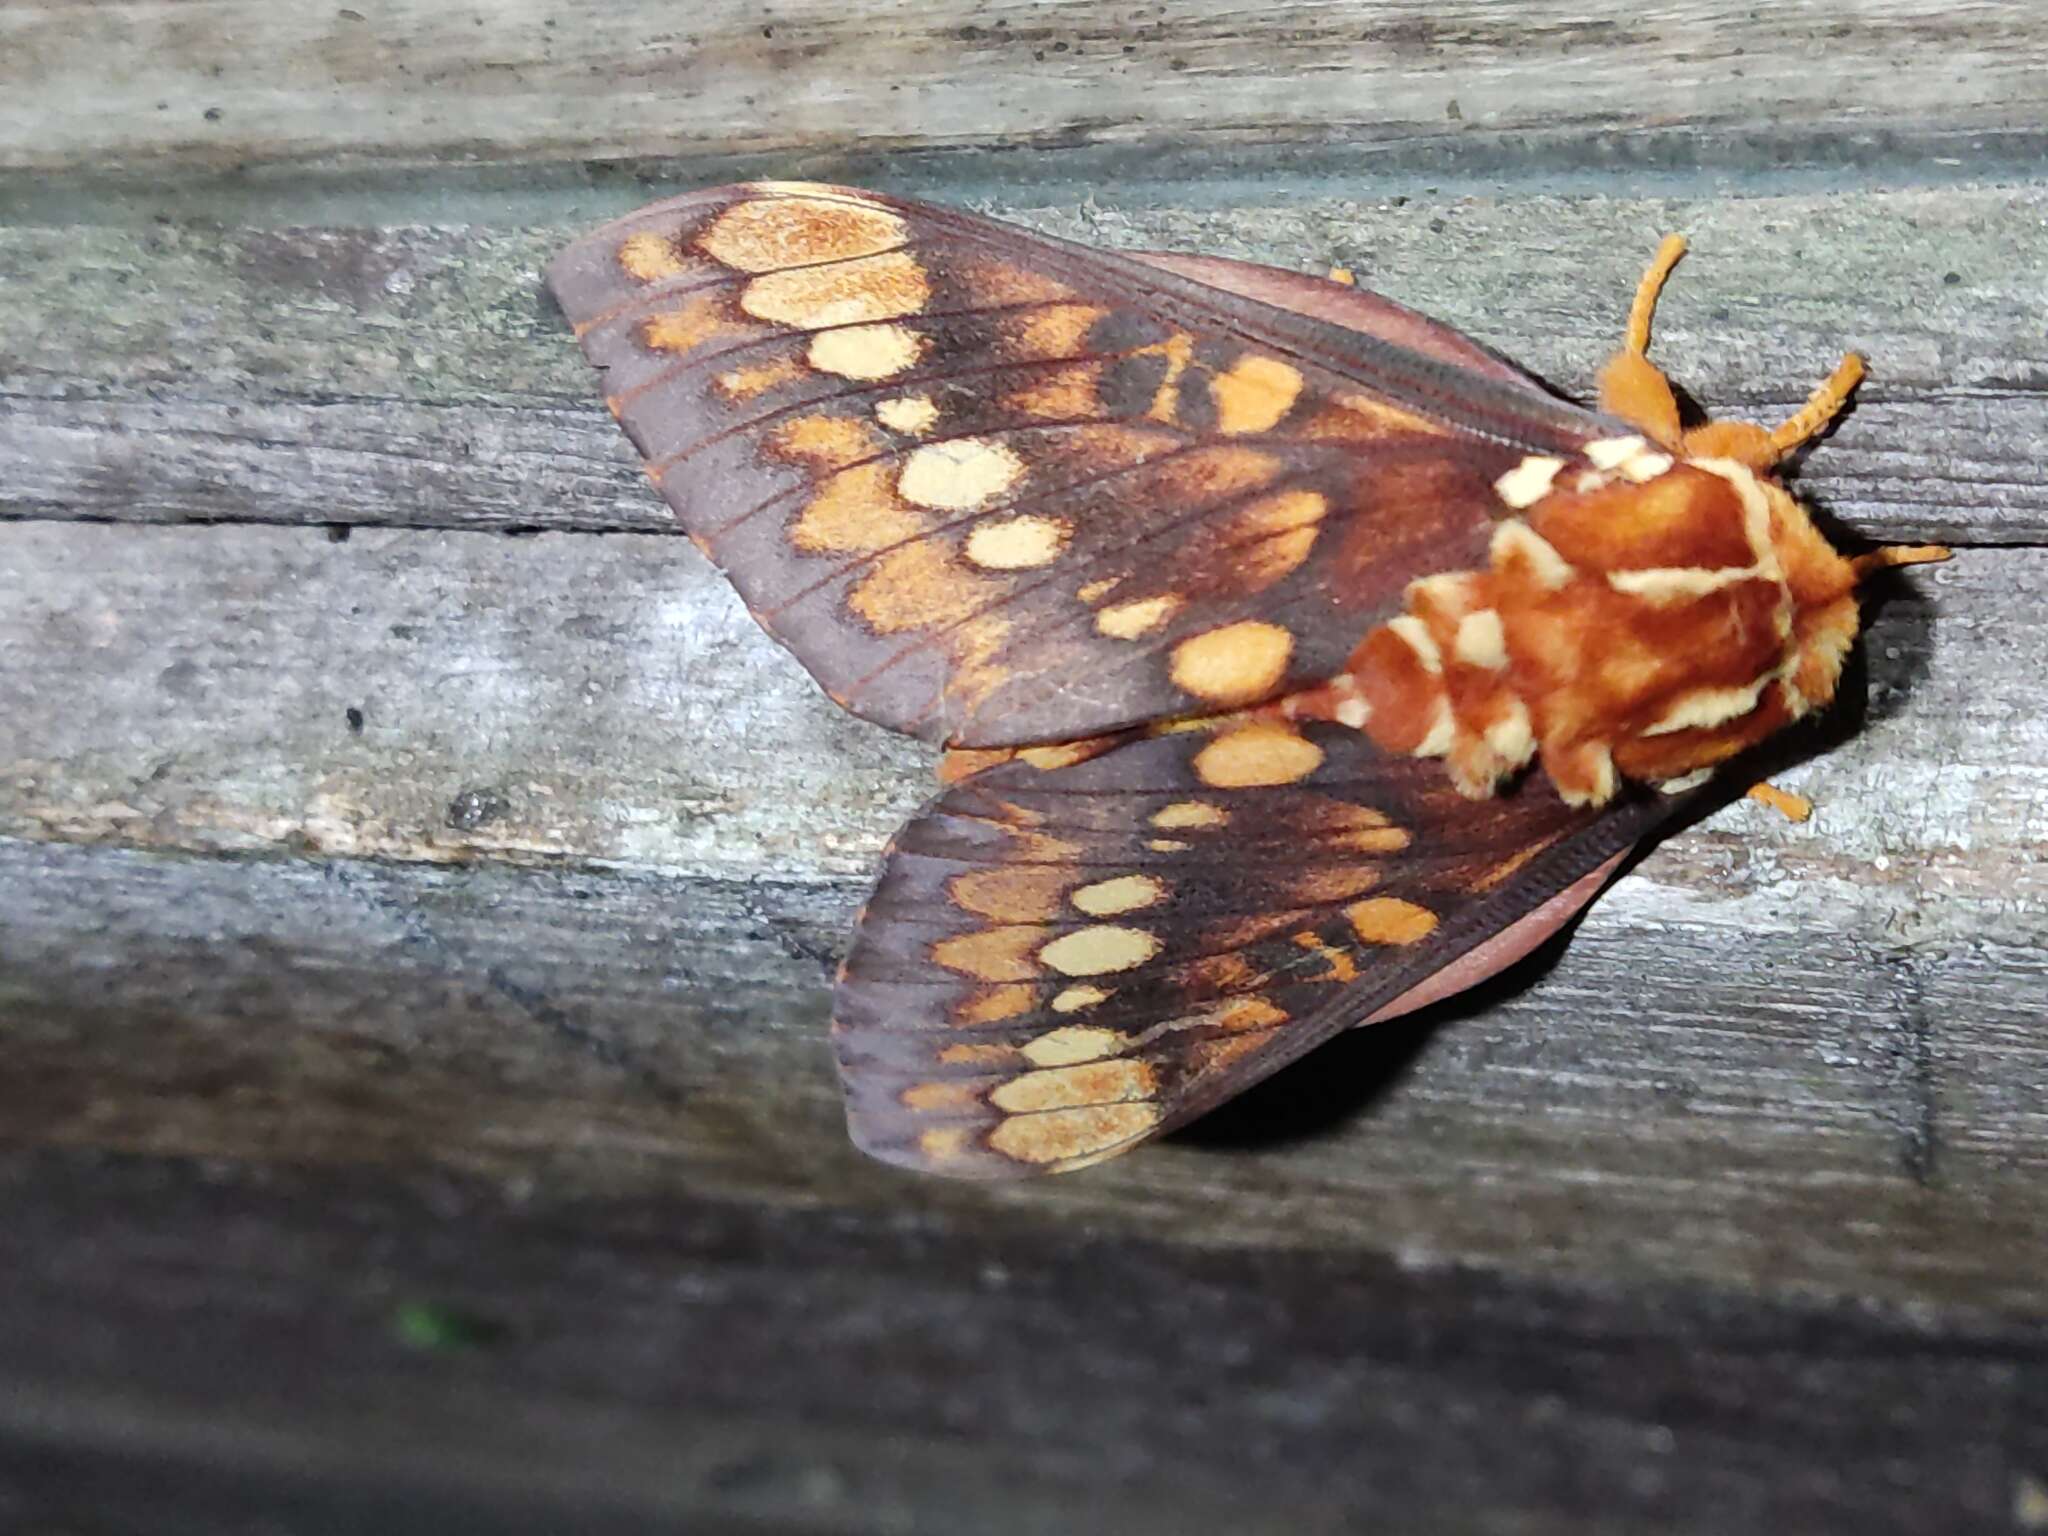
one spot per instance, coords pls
(1254, 395)
(997, 1003)
(1342, 967)
(1262, 753)
(746, 383)
(855, 512)
(828, 442)
(927, 1097)
(1013, 893)
(682, 330)
(991, 954)
(1233, 664)
(1390, 920)
(963, 1054)
(648, 256)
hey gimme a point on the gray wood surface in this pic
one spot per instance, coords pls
(419, 881)
(239, 80)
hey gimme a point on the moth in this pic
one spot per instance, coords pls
(1298, 660)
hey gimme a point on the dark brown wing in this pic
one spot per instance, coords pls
(993, 488)
(1068, 954)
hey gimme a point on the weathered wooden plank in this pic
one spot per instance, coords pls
(1770, 1110)
(568, 698)
(414, 376)
(205, 1352)
(238, 81)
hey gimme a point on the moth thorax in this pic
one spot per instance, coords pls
(1641, 617)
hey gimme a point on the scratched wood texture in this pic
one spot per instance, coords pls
(419, 881)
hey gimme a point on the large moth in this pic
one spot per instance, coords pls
(1299, 660)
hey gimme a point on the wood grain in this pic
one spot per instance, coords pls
(649, 1363)
(240, 81)
(365, 375)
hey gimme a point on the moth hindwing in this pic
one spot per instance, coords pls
(1062, 960)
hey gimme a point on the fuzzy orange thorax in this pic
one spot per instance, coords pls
(1641, 616)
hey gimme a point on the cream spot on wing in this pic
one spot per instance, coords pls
(1140, 616)
(1189, 813)
(767, 234)
(1074, 999)
(1071, 1135)
(1418, 639)
(1095, 591)
(1516, 543)
(1168, 845)
(865, 351)
(1234, 664)
(960, 475)
(1052, 1088)
(1481, 641)
(1613, 452)
(908, 414)
(1529, 481)
(1390, 920)
(875, 288)
(1099, 950)
(1255, 755)
(649, 257)
(1254, 394)
(1072, 1043)
(1705, 707)
(1124, 893)
(1017, 543)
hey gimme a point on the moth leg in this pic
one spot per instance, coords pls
(1788, 805)
(1631, 386)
